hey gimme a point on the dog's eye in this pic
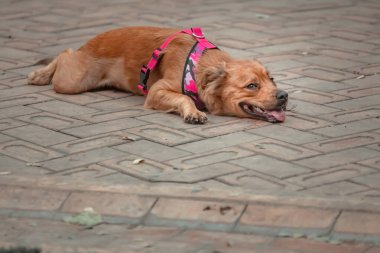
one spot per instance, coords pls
(252, 86)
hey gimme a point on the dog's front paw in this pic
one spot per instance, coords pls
(196, 118)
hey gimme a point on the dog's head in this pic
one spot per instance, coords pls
(244, 88)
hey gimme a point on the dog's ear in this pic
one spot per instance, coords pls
(213, 74)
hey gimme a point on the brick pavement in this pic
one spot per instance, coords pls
(232, 185)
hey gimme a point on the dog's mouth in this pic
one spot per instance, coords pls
(256, 112)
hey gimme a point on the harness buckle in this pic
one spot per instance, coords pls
(144, 76)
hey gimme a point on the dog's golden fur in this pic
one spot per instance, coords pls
(114, 58)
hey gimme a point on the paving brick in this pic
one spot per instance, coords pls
(118, 104)
(103, 127)
(219, 142)
(21, 90)
(287, 217)
(288, 47)
(372, 69)
(27, 152)
(256, 181)
(323, 73)
(284, 75)
(197, 211)
(15, 111)
(11, 166)
(81, 159)
(89, 172)
(318, 84)
(303, 122)
(157, 172)
(113, 115)
(51, 121)
(336, 189)
(287, 134)
(352, 115)
(26, 99)
(312, 246)
(356, 103)
(345, 172)
(338, 158)
(5, 138)
(331, 62)
(340, 143)
(313, 96)
(11, 53)
(345, 44)
(367, 82)
(310, 109)
(283, 65)
(358, 222)
(63, 108)
(84, 144)
(270, 166)
(374, 163)
(221, 155)
(80, 99)
(349, 128)
(212, 130)
(368, 180)
(163, 135)
(152, 150)
(10, 123)
(31, 199)
(38, 135)
(109, 203)
(167, 119)
(279, 149)
(359, 92)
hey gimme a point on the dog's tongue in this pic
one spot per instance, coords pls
(278, 115)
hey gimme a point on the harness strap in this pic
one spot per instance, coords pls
(196, 32)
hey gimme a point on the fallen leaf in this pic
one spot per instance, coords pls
(137, 161)
(3, 173)
(128, 138)
(87, 218)
(224, 209)
(360, 77)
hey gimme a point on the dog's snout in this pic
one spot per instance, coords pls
(282, 95)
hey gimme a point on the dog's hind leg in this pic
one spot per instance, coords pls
(43, 75)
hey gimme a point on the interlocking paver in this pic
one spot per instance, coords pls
(338, 158)
(325, 154)
(28, 152)
(39, 135)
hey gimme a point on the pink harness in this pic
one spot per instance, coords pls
(189, 86)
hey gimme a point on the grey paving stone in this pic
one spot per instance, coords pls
(357, 103)
(39, 135)
(52, 121)
(219, 142)
(26, 99)
(309, 109)
(318, 84)
(10, 123)
(338, 158)
(349, 128)
(11, 166)
(104, 127)
(271, 166)
(152, 150)
(63, 108)
(15, 111)
(287, 134)
(94, 142)
(28, 152)
(82, 159)
(164, 135)
(368, 180)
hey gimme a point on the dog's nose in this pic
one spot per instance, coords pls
(282, 95)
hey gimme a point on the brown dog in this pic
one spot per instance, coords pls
(227, 86)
